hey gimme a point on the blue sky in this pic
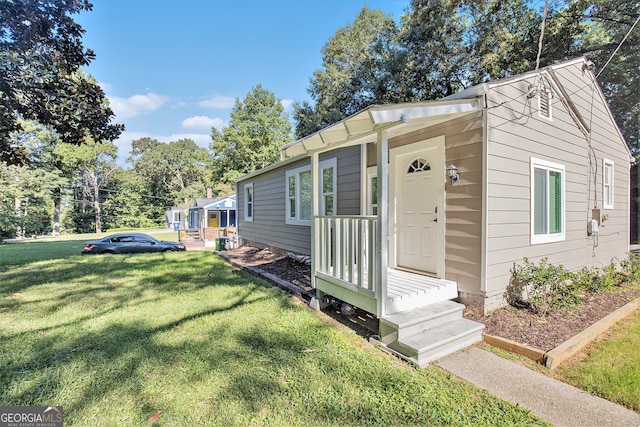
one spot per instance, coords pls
(172, 69)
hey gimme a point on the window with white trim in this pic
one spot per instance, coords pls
(607, 184)
(327, 186)
(248, 202)
(372, 190)
(299, 192)
(299, 183)
(547, 201)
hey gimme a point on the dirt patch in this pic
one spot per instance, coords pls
(516, 324)
(546, 333)
(281, 266)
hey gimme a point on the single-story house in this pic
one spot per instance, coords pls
(176, 217)
(213, 212)
(405, 207)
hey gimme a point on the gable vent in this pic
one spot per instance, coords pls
(544, 102)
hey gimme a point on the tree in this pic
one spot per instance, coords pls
(169, 172)
(342, 86)
(257, 129)
(443, 46)
(91, 163)
(40, 55)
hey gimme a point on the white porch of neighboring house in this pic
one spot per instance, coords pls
(392, 263)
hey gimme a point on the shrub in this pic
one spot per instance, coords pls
(546, 286)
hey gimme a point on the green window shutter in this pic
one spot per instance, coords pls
(540, 201)
(555, 202)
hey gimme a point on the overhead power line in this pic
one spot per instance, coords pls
(618, 48)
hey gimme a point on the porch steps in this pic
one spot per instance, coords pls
(427, 333)
(407, 291)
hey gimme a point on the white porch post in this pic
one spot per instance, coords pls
(315, 211)
(381, 260)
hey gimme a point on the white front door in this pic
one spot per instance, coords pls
(418, 192)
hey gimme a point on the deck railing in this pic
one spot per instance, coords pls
(346, 248)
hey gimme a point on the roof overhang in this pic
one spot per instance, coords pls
(397, 119)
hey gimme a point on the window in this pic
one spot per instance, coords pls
(544, 101)
(372, 190)
(547, 202)
(298, 209)
(607, 184)
(419, 165)
(299, 192)
(248, 202)
(327, 187)
(177, 216)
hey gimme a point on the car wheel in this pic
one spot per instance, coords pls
(168, 250)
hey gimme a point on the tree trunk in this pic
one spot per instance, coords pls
(57, 202)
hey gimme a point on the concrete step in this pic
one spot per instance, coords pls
(427, 346)
(397, 326)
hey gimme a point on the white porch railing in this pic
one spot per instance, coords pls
(346, 248)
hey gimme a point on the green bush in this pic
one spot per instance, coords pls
(544, 286)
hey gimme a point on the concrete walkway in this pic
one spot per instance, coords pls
(552, 400)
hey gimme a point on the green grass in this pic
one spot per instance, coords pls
(21, 251)
(184, 339)
(611, 369)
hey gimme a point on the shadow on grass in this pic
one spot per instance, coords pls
(126, 337)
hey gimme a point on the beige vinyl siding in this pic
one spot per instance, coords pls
(463, 210)
(268, 227)
(516, 133)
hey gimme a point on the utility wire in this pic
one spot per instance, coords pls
(616, 51)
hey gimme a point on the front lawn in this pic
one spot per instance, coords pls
(610, 367)
(184, 339)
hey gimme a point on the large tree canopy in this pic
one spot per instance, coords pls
(40, 54)
(442, 46)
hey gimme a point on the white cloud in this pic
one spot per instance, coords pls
(126, 108)
(218, 102)
(286, 103)
(105, 86)
(202, 122)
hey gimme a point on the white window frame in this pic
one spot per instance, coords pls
(295, 219)
(555, 167)
(247, 217)
(608, 174)
(372, 172)
(327, 164)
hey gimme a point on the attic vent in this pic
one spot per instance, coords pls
(544, 102)
(419, 165)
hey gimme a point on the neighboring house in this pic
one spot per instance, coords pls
(176, 217)
(210, 212)
(404, 207)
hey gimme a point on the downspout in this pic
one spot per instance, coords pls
(485, 186)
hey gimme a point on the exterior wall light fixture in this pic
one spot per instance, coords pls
(452, 171)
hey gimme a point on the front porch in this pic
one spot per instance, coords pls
(345, 267)
(391, 263)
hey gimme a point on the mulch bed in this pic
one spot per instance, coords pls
(281, 266)
(517, 324)
(547, 332)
